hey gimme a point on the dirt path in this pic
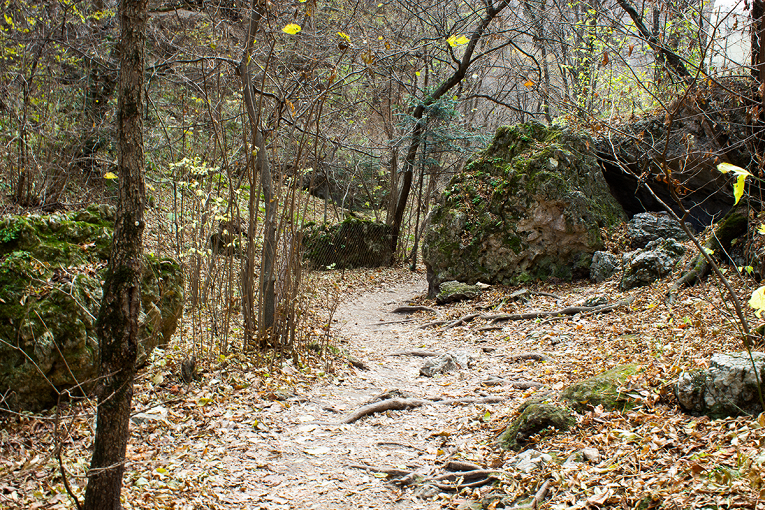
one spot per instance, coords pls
(310, 465)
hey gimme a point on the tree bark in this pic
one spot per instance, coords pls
(117, 324)
(418, 112)
(267, 283)
(663, 54)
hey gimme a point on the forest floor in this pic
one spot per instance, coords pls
(244, 437)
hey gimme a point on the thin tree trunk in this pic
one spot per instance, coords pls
(267, 294)
(663, 54)
(445, 86)
(117, 324)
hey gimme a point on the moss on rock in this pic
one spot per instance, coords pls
(534, 418)
(529, 206)
(602, 389)
(50, 294)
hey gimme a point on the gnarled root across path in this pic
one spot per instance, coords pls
(337, 447)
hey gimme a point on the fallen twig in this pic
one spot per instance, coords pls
(541, 494)
(412, 309)
(416, 352)
(399, 404)
(569, 310)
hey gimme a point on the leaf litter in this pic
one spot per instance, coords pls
(248, 437)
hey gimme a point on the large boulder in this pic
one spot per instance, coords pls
(706, 126)
(352, 243)
(646, 227)
(727, 388)
(50, 294)
(527, 207)
(602, 390)
(655, 261)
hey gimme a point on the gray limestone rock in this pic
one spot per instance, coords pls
(528, 207)
(655, 261)
(604, 265)
(727, 388)
(646, 227)
(449, 362)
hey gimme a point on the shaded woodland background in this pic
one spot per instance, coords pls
(366, 111)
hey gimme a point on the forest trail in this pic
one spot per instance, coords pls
(311, 464)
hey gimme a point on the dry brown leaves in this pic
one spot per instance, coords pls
(239, 437)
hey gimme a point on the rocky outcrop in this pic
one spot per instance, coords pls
(655, 261)
(528, 207)
(727, 388)
(705, 127)
(646, 227)
(50, 294)
(604, 265)
(602, 389)
(352, 243)
(534, 418)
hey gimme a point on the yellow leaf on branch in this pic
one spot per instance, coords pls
(291, 29)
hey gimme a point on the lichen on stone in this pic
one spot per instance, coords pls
(527, 207)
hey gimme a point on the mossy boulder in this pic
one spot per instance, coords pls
(534, 418)
(352, 243)
(451, 292)
(602, 389)
(729, 387)
(528, 207)
(50, 293)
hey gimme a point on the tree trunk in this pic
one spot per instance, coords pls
(267, 294)
(117, 324)
(664, 55)
(418, 112)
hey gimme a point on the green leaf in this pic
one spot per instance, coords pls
(757, 301)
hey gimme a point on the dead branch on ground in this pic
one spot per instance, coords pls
(412, 309)
(416, 352)
(400, 404)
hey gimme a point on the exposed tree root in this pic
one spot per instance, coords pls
(432, 324)
(416, 352)
(399, 404)
(412, 309)
(524, 385)
(494, 319)
(461, 321)
(392, 322)
(536, 356)
(569, 310)
(476, 476)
